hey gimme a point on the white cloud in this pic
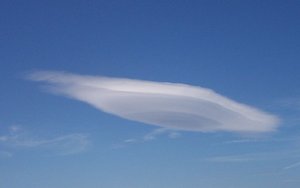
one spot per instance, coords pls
(168, 105)
(61, 145)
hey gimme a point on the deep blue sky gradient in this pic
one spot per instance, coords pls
(245, 50)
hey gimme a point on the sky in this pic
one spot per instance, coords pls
(145, 94)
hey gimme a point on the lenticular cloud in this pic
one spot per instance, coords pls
(168, 105)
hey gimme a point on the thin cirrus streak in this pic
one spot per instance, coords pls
(292, 166)
(168, 105)
(61, 145)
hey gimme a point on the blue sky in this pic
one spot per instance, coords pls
(246, 52)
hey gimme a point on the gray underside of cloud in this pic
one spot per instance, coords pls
(168, 105)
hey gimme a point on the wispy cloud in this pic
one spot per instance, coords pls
(168, 105)
(5, 154)
(258, 156)
(151, 136)
(60, 145)
(290, 103)
(264, 139)
(232, 158)
(157, 132)
(294, 165)
(174, 135)
(130, 140)
(240, 141)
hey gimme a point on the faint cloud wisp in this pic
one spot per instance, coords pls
(292, 166)
(60, 145)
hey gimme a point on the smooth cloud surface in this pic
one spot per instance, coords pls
(168, 105)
